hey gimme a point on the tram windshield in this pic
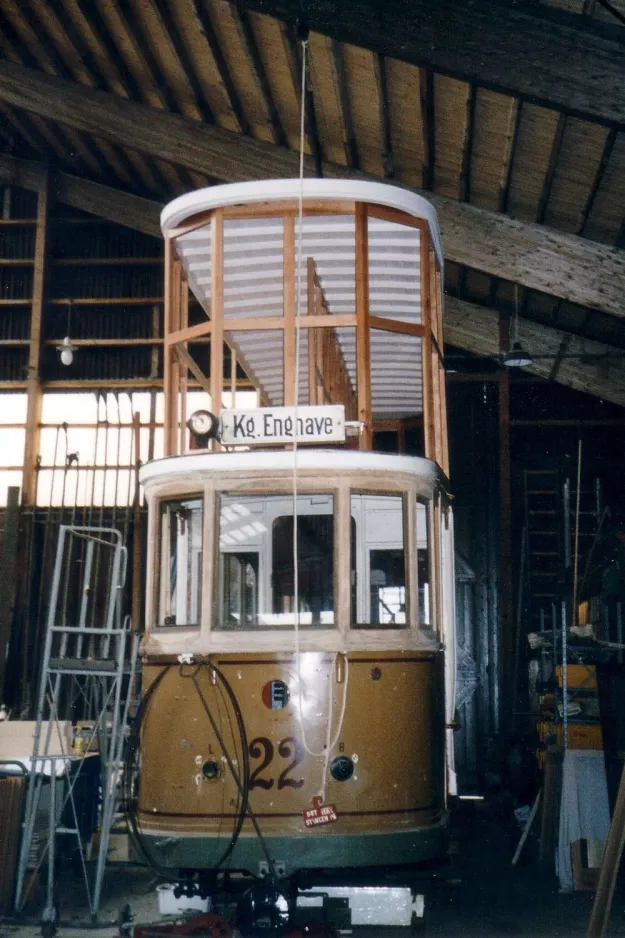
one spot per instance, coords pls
(256, 563)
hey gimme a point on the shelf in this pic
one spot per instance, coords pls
(16, 261)
(6, 222)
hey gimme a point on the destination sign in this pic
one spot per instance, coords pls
(265, 425)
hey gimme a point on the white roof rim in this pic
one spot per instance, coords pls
(273, 190)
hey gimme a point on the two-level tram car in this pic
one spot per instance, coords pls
(299, 648)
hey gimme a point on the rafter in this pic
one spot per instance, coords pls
(221, 65)
(170, 29)
(426, 104)
(292, 49)
(388, 161)
(561, 60)
(349, 137)
(246, 33)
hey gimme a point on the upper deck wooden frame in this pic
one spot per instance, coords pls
(368, 323)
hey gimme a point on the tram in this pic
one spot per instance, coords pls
(299, 644)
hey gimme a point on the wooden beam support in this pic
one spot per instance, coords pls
(34, 392)
(560, 60)
(363, 336)
(9, 576)
(587, 365)
(289, 340)
(217, 313)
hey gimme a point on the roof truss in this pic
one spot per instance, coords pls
(568, 267)
(584, 365)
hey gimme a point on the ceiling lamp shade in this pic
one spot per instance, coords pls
(517, 357)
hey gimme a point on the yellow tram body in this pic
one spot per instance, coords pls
(298, 657)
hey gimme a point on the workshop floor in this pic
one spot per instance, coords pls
(479, 895)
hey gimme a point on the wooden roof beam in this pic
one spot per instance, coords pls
(561, 60)
(581, 364)
(572, 268)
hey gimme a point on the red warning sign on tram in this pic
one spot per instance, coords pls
(320, 814)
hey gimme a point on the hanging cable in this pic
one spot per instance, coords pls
(330, 741)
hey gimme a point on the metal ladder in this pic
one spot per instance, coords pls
(88, 672)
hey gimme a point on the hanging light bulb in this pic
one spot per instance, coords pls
(66, 349)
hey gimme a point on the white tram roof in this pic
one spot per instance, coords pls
(253, 278)
(271, 461)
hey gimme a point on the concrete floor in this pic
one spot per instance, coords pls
(478, 895)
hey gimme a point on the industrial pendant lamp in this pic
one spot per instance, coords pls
(516, 356)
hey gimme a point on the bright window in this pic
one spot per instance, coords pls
(378, 562)
(256, 581)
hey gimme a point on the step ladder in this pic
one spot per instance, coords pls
(88, 673)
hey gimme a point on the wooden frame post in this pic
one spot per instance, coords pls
(363, 335)
(169, 386)
(289, 301)
(33, 388)
(429, 435)
(217, 315)
(184, 371)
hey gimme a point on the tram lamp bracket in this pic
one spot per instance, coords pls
(203, 427)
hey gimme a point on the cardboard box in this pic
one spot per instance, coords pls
(578, 676)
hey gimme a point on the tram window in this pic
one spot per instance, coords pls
(240, 589)
(423, 564)
(256, 583)
(379, 594)
(180, 587)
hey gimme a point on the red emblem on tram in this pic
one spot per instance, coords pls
(320, 813)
